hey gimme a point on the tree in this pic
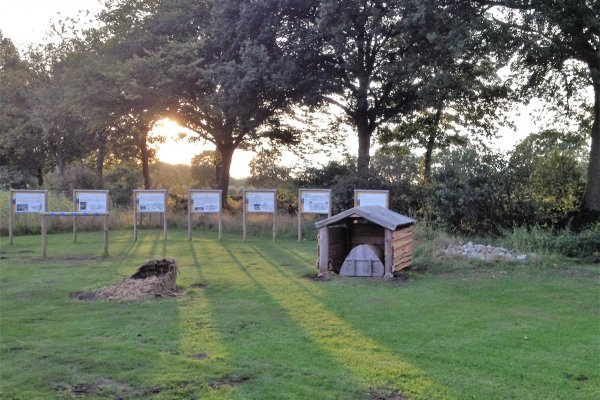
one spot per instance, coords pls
(462, 97)
(558, 43)
(21, 148)
(223, 64)
(205, 168)
(376, 57)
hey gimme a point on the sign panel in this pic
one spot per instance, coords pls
(260, 202)
(29, 202)
(92, 202)
(206, 202)
(315, 202)
(372, 199)
(151, 202)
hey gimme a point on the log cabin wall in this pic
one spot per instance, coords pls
(402, 244)
(366, 233)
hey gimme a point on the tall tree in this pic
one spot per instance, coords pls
(461, 98)
(374, 54)
(558, 43)
(234, 77)
(22, 151)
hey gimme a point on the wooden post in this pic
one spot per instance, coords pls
(275, 221)
(10, 217)
(220, 217)
(244, 205)
(300, 219)
(323, 250)
(75, 216)
(135, 217)
(388, 254)
(106, 235)
(44, 235)
(165, 218)
(189, 212)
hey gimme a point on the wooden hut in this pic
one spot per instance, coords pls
(353, 242)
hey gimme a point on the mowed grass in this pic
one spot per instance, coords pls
(251, 324)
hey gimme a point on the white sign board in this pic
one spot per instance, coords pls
(151, 202)
(260, 202)
(315, 202)
(29, 202)
(92, 202)
(206, 202)
(371, 199)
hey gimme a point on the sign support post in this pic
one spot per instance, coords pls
(135, 207)
(10, 217)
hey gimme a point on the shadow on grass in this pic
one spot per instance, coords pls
(258, 338)
(358, 356)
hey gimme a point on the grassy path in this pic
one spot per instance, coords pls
(250, 324)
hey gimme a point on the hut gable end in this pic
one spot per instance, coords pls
(381, 216)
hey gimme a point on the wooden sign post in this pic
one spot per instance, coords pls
(312, 201)
(44, 223)
(259, 201)
(364, 197)
(88, 201)
(25, 202)
(149, 201)
(204, 202)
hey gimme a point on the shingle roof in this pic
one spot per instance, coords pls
(376, 214)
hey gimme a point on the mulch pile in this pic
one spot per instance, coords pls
(156, 278)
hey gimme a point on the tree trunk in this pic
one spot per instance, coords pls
(101, 156)
(226, 152)
(40, 177)
(591, 197)
(145, 159)
(431, 143)
(364, 145)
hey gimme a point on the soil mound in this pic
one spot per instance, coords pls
(156, 278)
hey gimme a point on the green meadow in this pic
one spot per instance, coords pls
(251, 322)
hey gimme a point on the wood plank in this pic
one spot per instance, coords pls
(388, 253)
(323, 249)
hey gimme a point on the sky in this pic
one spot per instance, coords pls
(27, 21)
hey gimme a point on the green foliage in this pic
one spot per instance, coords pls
(466, 193)
(75, 176)
(120, 180)
(204, 169)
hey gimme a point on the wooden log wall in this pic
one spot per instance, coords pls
(402, 245)
(367, 234)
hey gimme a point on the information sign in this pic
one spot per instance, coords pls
(151, 202)
(260, 202)
(314, 202)
(364, 198)
(29, 202)
(206, 202)
(92, 201)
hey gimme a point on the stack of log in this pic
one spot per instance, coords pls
(402, 244)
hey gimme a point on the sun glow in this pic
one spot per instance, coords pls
(172, 145)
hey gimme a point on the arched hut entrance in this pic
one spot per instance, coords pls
(365, 241)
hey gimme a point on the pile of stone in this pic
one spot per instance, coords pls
(480, 252)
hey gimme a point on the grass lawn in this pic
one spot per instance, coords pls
(259, 328)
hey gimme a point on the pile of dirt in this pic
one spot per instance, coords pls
(156, 278)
